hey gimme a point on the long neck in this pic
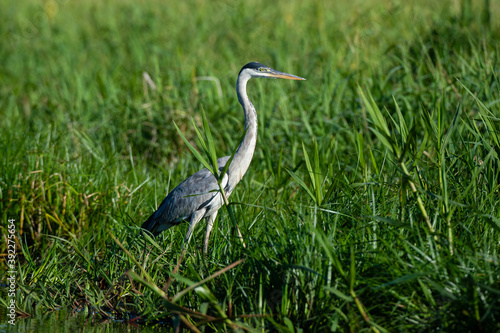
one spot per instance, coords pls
(244, 154)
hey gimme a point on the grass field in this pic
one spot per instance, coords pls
(372, 201)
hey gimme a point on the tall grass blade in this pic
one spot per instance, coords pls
(194, 151)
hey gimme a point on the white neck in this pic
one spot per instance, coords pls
(244, 154)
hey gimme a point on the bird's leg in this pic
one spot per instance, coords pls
(195, 218)
(210, 224)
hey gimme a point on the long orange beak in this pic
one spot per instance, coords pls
(281, 75)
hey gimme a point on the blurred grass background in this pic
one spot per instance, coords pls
(400, 231)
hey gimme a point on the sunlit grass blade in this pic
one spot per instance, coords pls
(211, 145)
(317, 175)
(301, 183)
(309, 167)
(226, 167)
(171, 305)
(194, 151)
(196, 284)
(375, 113)
(491, 121)
(380, 129)
(403, 127)
(314, 173)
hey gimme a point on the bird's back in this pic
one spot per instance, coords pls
(195, 193)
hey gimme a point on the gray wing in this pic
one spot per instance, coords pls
(193, 194)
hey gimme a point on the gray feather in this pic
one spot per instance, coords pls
(194, 193)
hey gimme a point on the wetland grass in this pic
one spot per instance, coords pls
(372, 202)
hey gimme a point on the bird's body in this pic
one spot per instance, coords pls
(199, 196)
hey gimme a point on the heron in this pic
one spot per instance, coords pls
(198, 197)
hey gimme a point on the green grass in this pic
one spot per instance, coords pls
(372, 202)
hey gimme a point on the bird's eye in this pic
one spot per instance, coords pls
(263, 69)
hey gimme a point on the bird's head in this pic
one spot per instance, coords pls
(255, 69)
